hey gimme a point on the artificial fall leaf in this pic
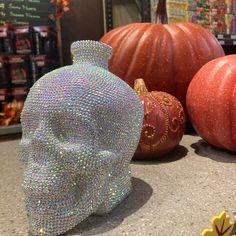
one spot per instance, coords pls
(66, 9)
(220, 226)
(6, 122)
(61, 7)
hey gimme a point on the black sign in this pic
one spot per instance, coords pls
(26, 12)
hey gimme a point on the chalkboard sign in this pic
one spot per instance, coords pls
(26, 12)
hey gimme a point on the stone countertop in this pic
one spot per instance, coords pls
(175, 195)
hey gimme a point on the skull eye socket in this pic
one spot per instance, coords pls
(71, 130)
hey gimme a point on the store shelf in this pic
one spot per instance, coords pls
(226, 39)
(143, 6)
(12, 129)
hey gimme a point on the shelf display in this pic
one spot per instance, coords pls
(215, 16)
(22, 61)
(31, 43)
(79, 120)
(80, 125)
(122, 12)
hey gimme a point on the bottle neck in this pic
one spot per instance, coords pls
(91, 52)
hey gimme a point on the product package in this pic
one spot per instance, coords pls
(192, 5)
(40, 65)
(231, 6)
(24, 40)
(19, 70)
(6, 40)
(5, 95)
(45, 40)
(230, 21)
(192, 16)
(4, 72)
(19, 93)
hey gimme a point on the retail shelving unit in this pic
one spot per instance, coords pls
(226, 39)
(11, 129)
(143, 6)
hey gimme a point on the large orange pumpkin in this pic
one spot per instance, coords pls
(211, 102)
(165, 56)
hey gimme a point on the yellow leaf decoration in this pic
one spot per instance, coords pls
(220, 226)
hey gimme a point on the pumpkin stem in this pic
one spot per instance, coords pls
(140, 87)
(161, 12)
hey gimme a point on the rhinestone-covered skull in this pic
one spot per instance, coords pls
(81, 126)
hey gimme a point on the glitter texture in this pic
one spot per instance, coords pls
(81, 126)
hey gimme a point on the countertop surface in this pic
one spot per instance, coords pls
(175, 195)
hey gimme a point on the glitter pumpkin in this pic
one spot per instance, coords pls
(211, 102)
(165, 56)
(163, 124)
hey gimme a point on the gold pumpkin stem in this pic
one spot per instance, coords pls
(140, 87)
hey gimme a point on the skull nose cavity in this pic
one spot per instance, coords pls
(42, 134)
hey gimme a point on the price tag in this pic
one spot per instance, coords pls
(2, 97)
(44, 34)
(222, 42)
(3, 34)
(233, 36)
(41, 63)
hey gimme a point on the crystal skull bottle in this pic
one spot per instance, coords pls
(81, 126)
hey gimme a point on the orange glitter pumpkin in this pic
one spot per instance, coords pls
(163, 124)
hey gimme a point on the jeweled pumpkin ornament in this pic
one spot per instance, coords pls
(163, 124)
(81, 126)
(166, 56)
(211, 102)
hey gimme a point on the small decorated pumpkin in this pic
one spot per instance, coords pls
(211, 102)
(163, 124)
